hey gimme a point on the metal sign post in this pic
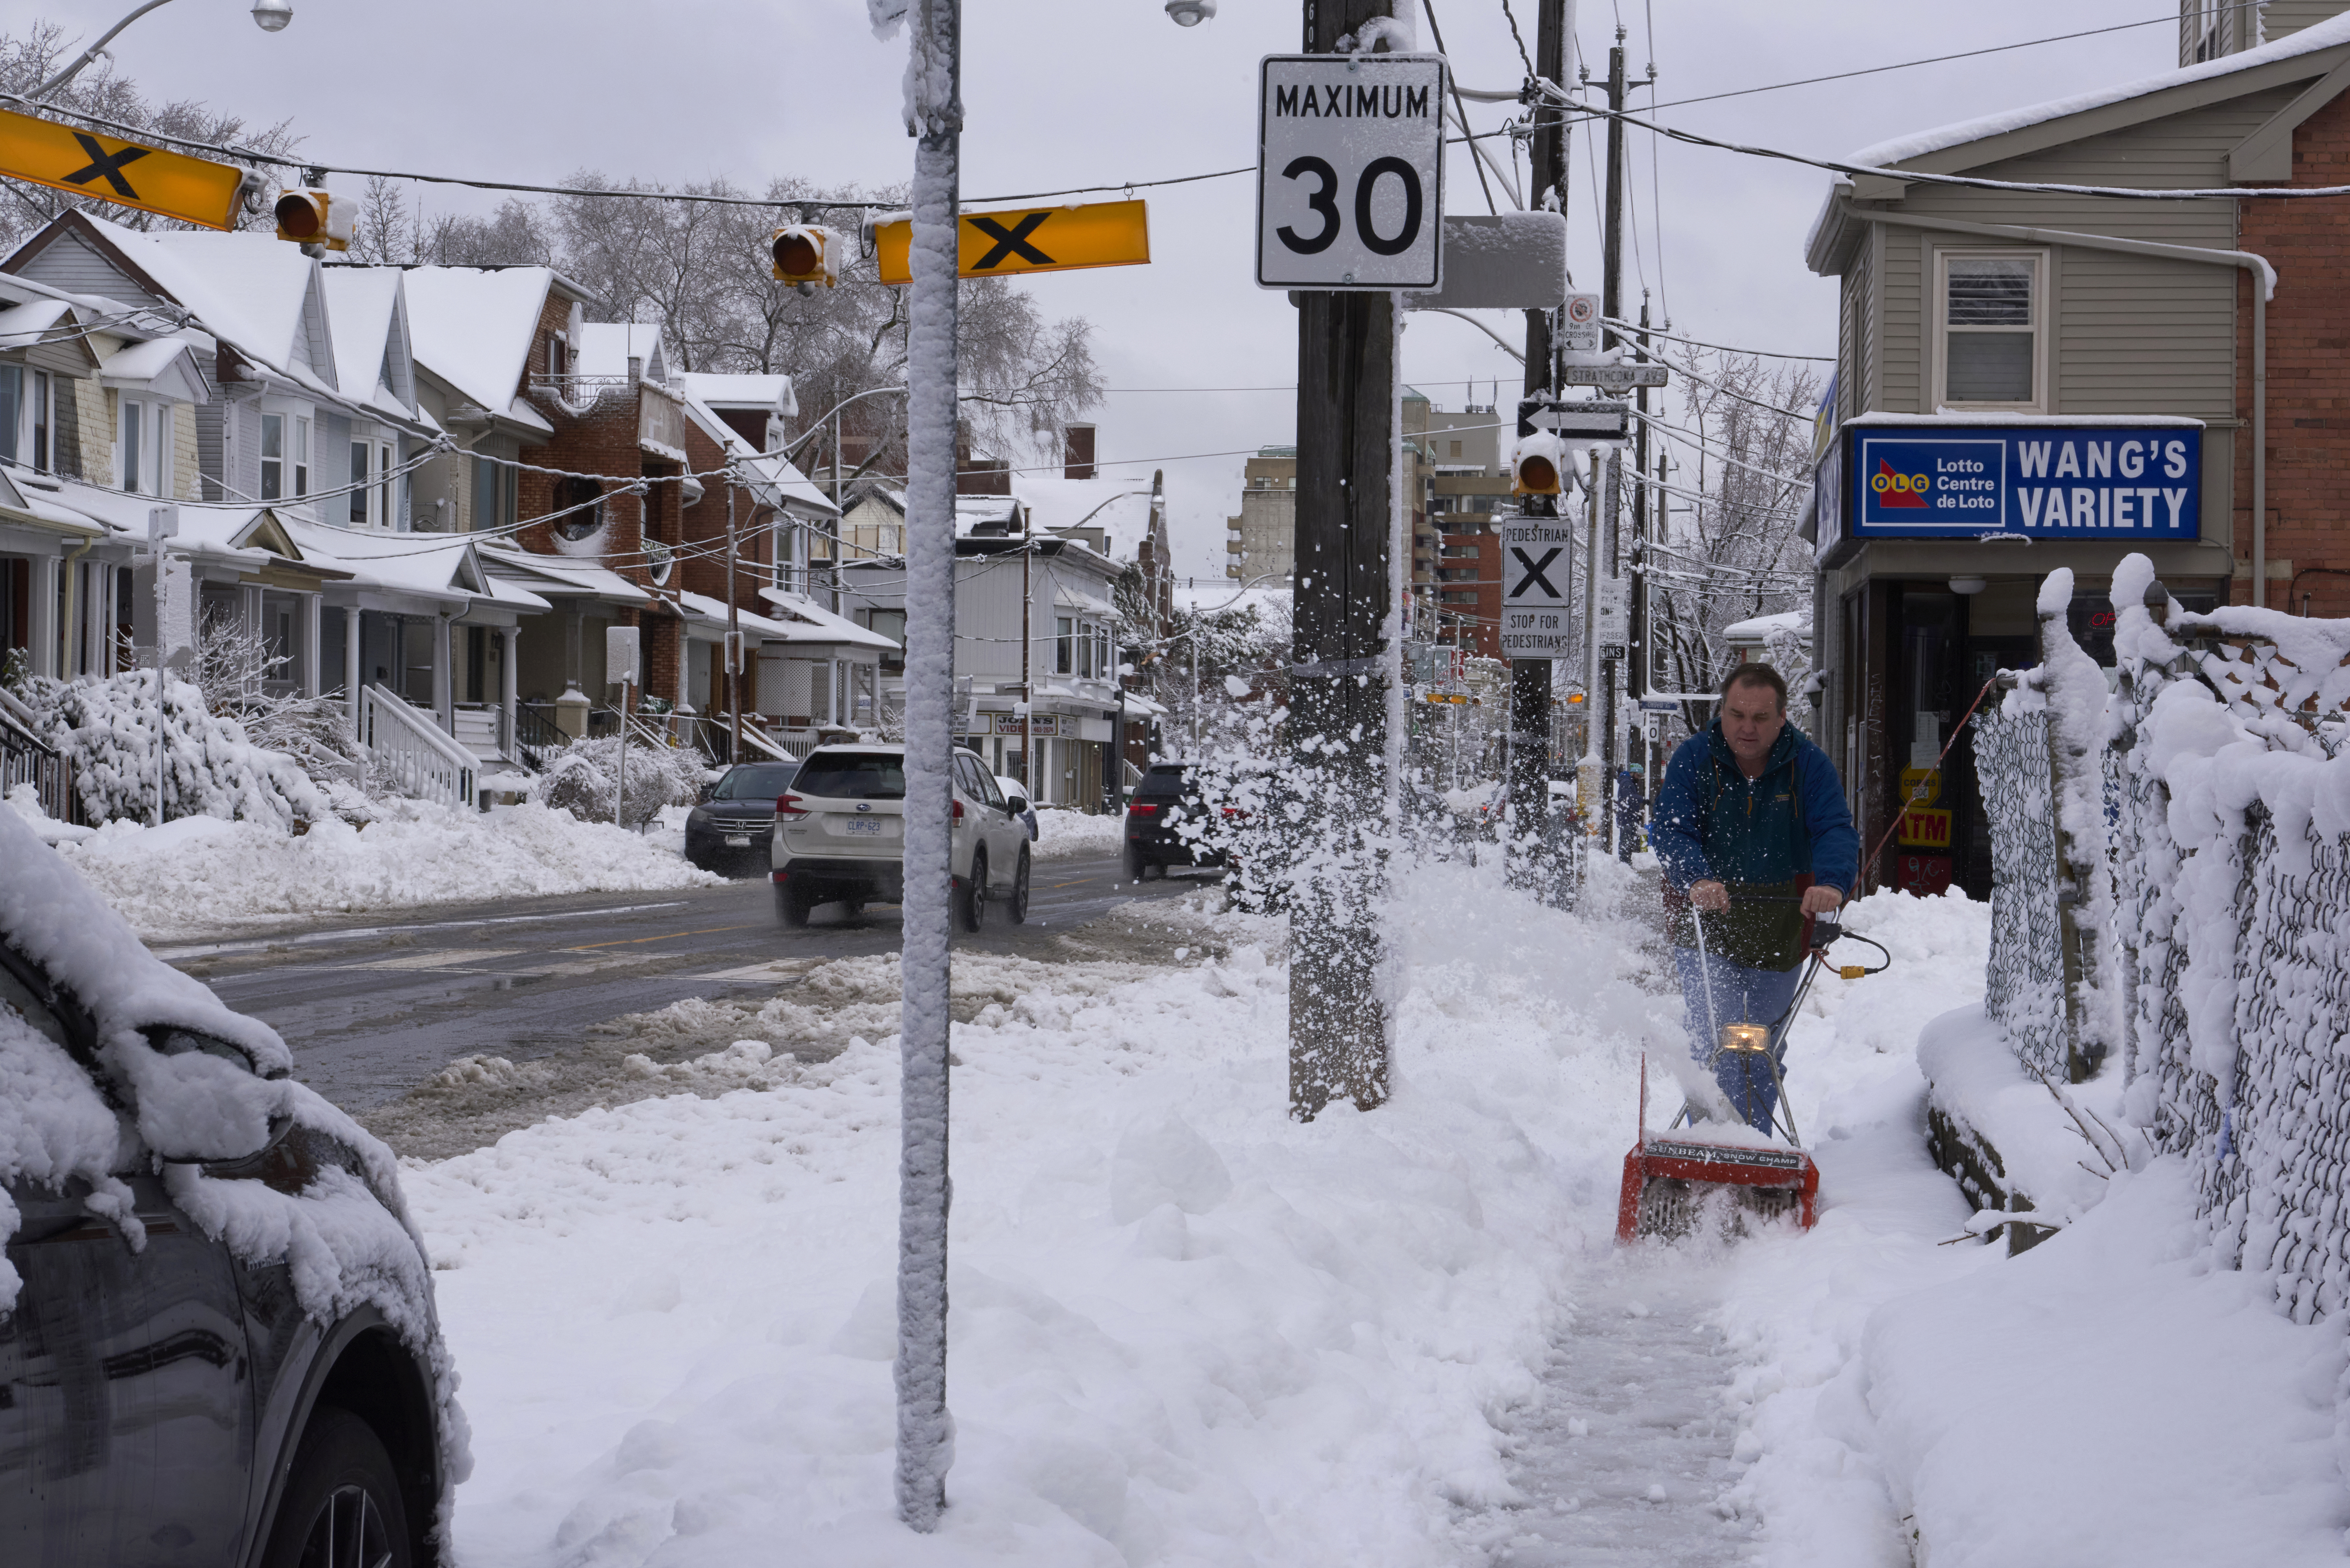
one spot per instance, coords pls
(162, 523)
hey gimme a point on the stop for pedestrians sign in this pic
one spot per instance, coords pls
(1534, 552)
(1350, 172)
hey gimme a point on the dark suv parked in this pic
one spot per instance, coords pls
(733, 830)
(174, 1390)
(1170, 822)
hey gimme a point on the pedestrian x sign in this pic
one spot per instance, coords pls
(128, 174)
(1534, 588)
(1039, 239)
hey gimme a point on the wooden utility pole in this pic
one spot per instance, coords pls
(1340, 667)
(1530, 679)
(1636, 627)
(1605, 567)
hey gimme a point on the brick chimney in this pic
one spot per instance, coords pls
(1079, 460)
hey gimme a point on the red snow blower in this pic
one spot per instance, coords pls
(1668, 1176)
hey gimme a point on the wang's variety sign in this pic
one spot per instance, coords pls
(2119, 482)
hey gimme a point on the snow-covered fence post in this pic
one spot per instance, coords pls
(934, 117)
(2075, 688)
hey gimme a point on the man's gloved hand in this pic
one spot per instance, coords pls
(1817, 900)
(1713, 897)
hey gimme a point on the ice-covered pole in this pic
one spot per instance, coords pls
(934, 117)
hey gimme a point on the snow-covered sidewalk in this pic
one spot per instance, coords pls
(1188, 1331)
(202, 874)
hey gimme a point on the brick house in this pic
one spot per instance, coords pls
(2034, 380)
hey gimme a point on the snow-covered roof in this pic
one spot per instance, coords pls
(741, 390)
(173, 366)
(806, 613)
(605, 348)
(1120, 508)
(1759, 629)
(565, 576)
(994, 514)
(1896, 150)
(472, 326)
(365, 304)
(1209, 596)
(701, 607)
(21, 325)
(247, 288)
(774, 477)
(438, 566)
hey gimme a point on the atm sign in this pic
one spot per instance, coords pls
(1926, 827)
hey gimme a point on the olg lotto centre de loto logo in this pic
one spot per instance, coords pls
(1898, 489)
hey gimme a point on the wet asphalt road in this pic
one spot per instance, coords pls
(373, 1008)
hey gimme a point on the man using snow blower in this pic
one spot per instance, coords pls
(1754, 837)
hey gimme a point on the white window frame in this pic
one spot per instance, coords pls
(40, 435)
(2043, 288)
(261, 485)
(360, 477)
(297, 426)
(153, 475)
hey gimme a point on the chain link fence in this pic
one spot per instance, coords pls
(2223, 963)
(2024, 980)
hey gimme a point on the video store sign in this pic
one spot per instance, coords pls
(2129, 483)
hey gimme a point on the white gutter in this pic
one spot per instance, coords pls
(2264, 290)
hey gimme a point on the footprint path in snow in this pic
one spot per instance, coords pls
(1623, 1454)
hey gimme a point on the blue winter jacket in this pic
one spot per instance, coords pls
(1713, 822)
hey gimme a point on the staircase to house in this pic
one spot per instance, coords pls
(412, 751)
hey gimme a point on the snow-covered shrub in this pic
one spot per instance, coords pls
(584, 779)
(213, 767)
(233, 668)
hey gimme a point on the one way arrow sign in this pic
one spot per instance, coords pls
(1030, 239)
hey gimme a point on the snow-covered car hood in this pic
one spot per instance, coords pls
(345, 1239)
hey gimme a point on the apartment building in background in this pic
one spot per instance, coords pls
(1263, 542)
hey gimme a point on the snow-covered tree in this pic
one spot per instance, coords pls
(1727, 551)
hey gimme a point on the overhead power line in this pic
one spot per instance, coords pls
(1940, 59)
(1922, 177)
(1721, 347)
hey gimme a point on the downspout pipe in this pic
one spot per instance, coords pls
(2264, 282)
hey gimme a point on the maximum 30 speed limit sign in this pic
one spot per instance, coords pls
(1350, 172)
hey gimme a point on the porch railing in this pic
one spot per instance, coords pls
(538, 737)
(421, 760)
(26, 758)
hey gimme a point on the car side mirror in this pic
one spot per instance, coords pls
(705, 794)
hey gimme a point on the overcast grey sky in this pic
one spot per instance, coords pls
(1073, 92)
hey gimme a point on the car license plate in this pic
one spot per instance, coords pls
(738, 841)
(865, 827)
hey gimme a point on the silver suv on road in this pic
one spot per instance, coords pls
(841, 836)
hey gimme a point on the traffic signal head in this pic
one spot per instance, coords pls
(806, 254)
(316, 218)
(1535, 464)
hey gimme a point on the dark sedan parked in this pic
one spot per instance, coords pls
(730, 832)
(217, 1340)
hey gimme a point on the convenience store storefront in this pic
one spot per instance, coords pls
(1931, 538)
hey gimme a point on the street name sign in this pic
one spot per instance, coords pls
(1612, 378)
(1029, 239)
(1350, 172)
(128, 174)
(1534, 552)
